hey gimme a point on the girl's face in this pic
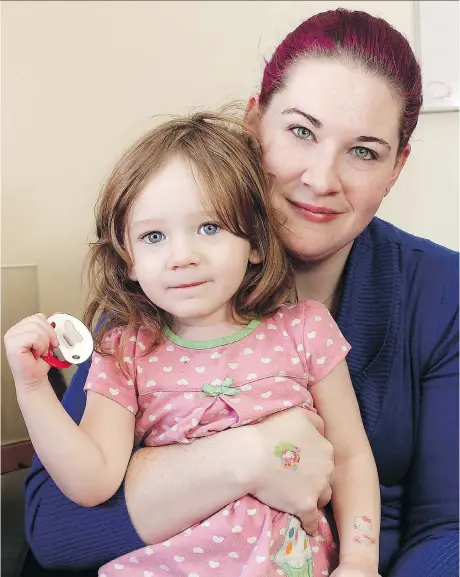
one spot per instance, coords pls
(330, 140)
(185, 263)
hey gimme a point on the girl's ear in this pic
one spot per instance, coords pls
(255, 256)
(132, 273)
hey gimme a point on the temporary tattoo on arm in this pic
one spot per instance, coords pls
(364, 540)
(288, 454)
(363, 523)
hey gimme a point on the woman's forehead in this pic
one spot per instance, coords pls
(341, 96)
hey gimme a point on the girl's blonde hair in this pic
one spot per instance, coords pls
(228, 160)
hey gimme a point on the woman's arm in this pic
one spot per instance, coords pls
(355, 487)
(430, 546)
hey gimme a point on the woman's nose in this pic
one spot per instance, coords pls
(321, 176)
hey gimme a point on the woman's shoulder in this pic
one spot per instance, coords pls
(422, 263)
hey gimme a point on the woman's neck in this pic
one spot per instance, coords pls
(321, 280)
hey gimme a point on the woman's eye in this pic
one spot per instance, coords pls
(301, 132)
(154, 237)
(209, 228)
(363, 153)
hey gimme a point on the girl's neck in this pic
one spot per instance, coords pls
(218, 325)
(321, 280)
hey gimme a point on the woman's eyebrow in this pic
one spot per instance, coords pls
(316, 123)
(374, 139)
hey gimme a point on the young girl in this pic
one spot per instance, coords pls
(196, 335)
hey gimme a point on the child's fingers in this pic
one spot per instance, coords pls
(39, 320)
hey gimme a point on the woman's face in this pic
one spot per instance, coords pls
(330, 140)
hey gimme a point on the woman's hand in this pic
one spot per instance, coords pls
(305, 488)
(25, 343)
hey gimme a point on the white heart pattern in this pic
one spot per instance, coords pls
(251, 512)
(200, 369)
(278, 349)
(311, 335)
(114, 392)
(272, 327)
(258, 408)
(246, 388)
(260, 336)
(167, 369)
(266, 360)
(153, 360)
(182, 382)
(237, 529)
(188, 395)
(251, 540)
(217, 539)
(248, 352)
(266, 395)
(233, 365)
(198, 550)
(216, 356)
(214, 564)
(101, 376)
(178, 559)
(151, 383)
(295, 322)
(279, 379)
(233, 555)
(329, 342)
(295, 360)
(184, 360)
(321, 360)
(287, 403)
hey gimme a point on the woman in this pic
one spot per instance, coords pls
(338, 103)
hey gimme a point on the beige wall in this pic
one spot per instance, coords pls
(82, 79)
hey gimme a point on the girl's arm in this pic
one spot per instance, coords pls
(355, 485)
(86, 462)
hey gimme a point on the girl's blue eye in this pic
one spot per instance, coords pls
(154, 237)
(209, 228)
(363, 153)
(301, 132)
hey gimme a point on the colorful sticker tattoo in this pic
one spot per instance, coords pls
(288, 454)
(363, 523)
(364, 540)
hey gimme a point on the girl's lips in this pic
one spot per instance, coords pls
(317, 214)
(182, 286)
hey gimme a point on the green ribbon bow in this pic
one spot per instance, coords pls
(223, 389)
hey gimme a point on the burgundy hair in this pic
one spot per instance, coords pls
(354, 36)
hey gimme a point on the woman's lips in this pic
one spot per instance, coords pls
(318, 214)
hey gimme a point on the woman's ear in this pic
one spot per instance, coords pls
(252, 113)
(400, 162)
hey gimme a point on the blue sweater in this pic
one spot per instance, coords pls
(399, 311)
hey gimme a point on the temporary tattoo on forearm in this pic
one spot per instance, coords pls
(288, 454)
(363, 523)
(364, 540)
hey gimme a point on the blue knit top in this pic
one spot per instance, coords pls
(399, 311)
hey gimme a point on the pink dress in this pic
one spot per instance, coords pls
(184, 390)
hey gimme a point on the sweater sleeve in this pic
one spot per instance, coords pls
(431, 544)
(62, 534)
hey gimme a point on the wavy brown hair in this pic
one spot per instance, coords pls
(228, 160)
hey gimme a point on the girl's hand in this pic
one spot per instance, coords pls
(304, 486)
(355, 568)
(25, 343)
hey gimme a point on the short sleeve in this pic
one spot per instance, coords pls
(325, 346)
(105, 376)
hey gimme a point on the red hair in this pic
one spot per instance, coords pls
(358, 37)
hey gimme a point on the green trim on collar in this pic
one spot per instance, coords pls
(200, 345)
